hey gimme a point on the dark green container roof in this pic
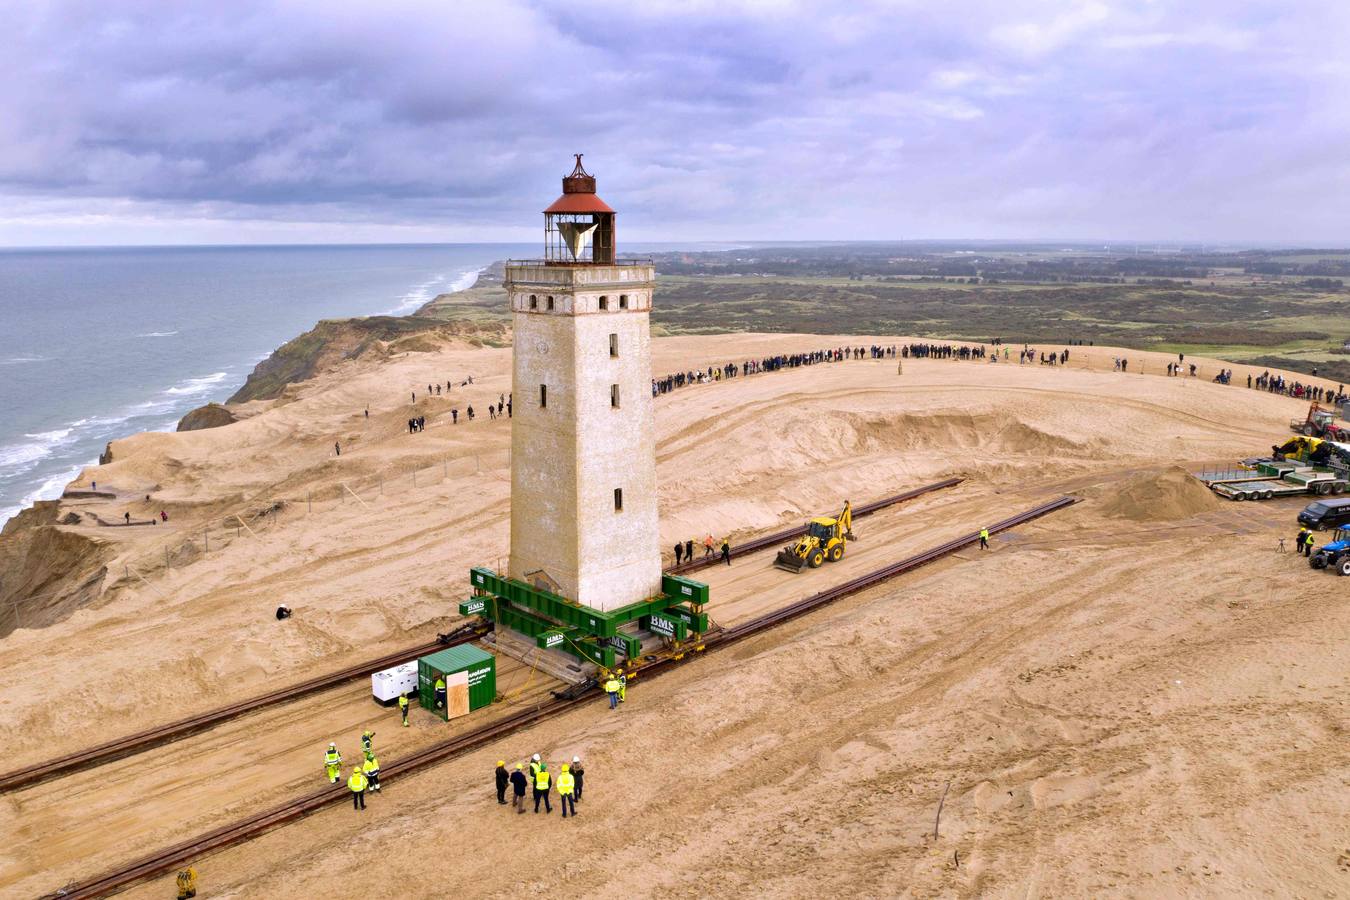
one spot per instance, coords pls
(457, 659)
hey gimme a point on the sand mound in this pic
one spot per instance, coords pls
(1170, 494)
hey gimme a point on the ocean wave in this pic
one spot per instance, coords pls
(197, 385)
(15, 459)
(57, 435)
(20, 360)
(427, 291)
(158, 334)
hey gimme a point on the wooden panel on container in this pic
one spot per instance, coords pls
(457, 695)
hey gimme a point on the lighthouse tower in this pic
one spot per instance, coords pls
(583, 458)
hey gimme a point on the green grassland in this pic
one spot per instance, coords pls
(1282, 321)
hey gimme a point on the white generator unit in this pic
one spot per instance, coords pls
(388, 684)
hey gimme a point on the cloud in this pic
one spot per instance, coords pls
(135, 119)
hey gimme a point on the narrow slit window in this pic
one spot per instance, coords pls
(618, 499)
(550, 304)
(623, 301)
(604, 303)
(534, 301)
(543, 395)
(613, 345)
(614, 396)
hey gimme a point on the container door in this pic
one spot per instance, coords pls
(457, 695)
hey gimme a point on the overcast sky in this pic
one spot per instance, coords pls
(160, 122)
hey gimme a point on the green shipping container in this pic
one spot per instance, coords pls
(470, 675)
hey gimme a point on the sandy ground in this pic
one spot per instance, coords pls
(1137, 697)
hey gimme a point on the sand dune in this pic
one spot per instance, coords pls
(1135, 697)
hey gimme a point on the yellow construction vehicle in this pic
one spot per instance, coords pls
(825, 538)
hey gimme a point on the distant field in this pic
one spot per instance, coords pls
(1297, 325)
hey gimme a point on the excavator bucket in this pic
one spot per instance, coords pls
(789, 561)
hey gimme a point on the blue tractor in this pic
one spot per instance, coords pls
(1335, 555)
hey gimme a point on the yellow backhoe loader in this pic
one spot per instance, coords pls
(825, 538)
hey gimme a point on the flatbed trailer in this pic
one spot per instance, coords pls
(1290, 482)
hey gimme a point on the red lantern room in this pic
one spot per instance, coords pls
(579, 226)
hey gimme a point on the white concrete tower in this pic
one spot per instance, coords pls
(583, 454)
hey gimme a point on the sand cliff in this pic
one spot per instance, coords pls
(1137, 696)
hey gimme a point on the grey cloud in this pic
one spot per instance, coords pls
(718, 120)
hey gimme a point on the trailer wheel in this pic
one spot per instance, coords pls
(1338, 487)
(1266, 495)
(1344, 567)
(1324, 488)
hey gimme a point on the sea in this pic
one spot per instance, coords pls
(97, 344)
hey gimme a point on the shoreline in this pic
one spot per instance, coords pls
(163, 409)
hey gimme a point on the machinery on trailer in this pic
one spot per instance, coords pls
(1301, 465)
(1320, 423)
(1334, 555)
(825, 538)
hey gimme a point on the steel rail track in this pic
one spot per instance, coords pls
(145, 740)
(246, 829)
(141, 741)
(778, 537)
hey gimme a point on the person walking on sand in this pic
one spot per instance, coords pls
(984, 538)
(566, 786)
(337, 448)
(689, 550)
(726, 551)
(612, 688)
(503, 779)
(127, 516)
(357, 783)
(579, 774)
(518, 789)
(454, 416)
(679, 552)
(541, 788)
(332, 762)
(371, 769)
(403, 708)
(707, 546)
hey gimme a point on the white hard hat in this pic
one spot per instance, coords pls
(576, 759)
(535, 757)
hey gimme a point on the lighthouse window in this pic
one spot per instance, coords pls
(543, 395)
(534, 301)
(550, 304)
(613, 345)
(614, 396)
(604, 303)
(623, 301)
(618, 499)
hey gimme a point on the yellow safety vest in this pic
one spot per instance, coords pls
(541, 779)
(402, 702)
(565, 783)
(984, 533)
(1310, 539)
(370, 765)
(332, 758)
(611, 686)
(357, 782)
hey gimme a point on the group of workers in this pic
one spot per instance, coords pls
(684, 550)
(1304, 542)
(570, 782)
(365, 775)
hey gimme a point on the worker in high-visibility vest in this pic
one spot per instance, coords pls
(371, 769)
(332, 762)
(623, 687)
(612, 688)
(566, 786)
(541, 785)
(440, 691)
(1308, 543)
(367, 742)
(357, 782)
(186, 881)
(535, 765)
(403, 708)
(984, 538)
